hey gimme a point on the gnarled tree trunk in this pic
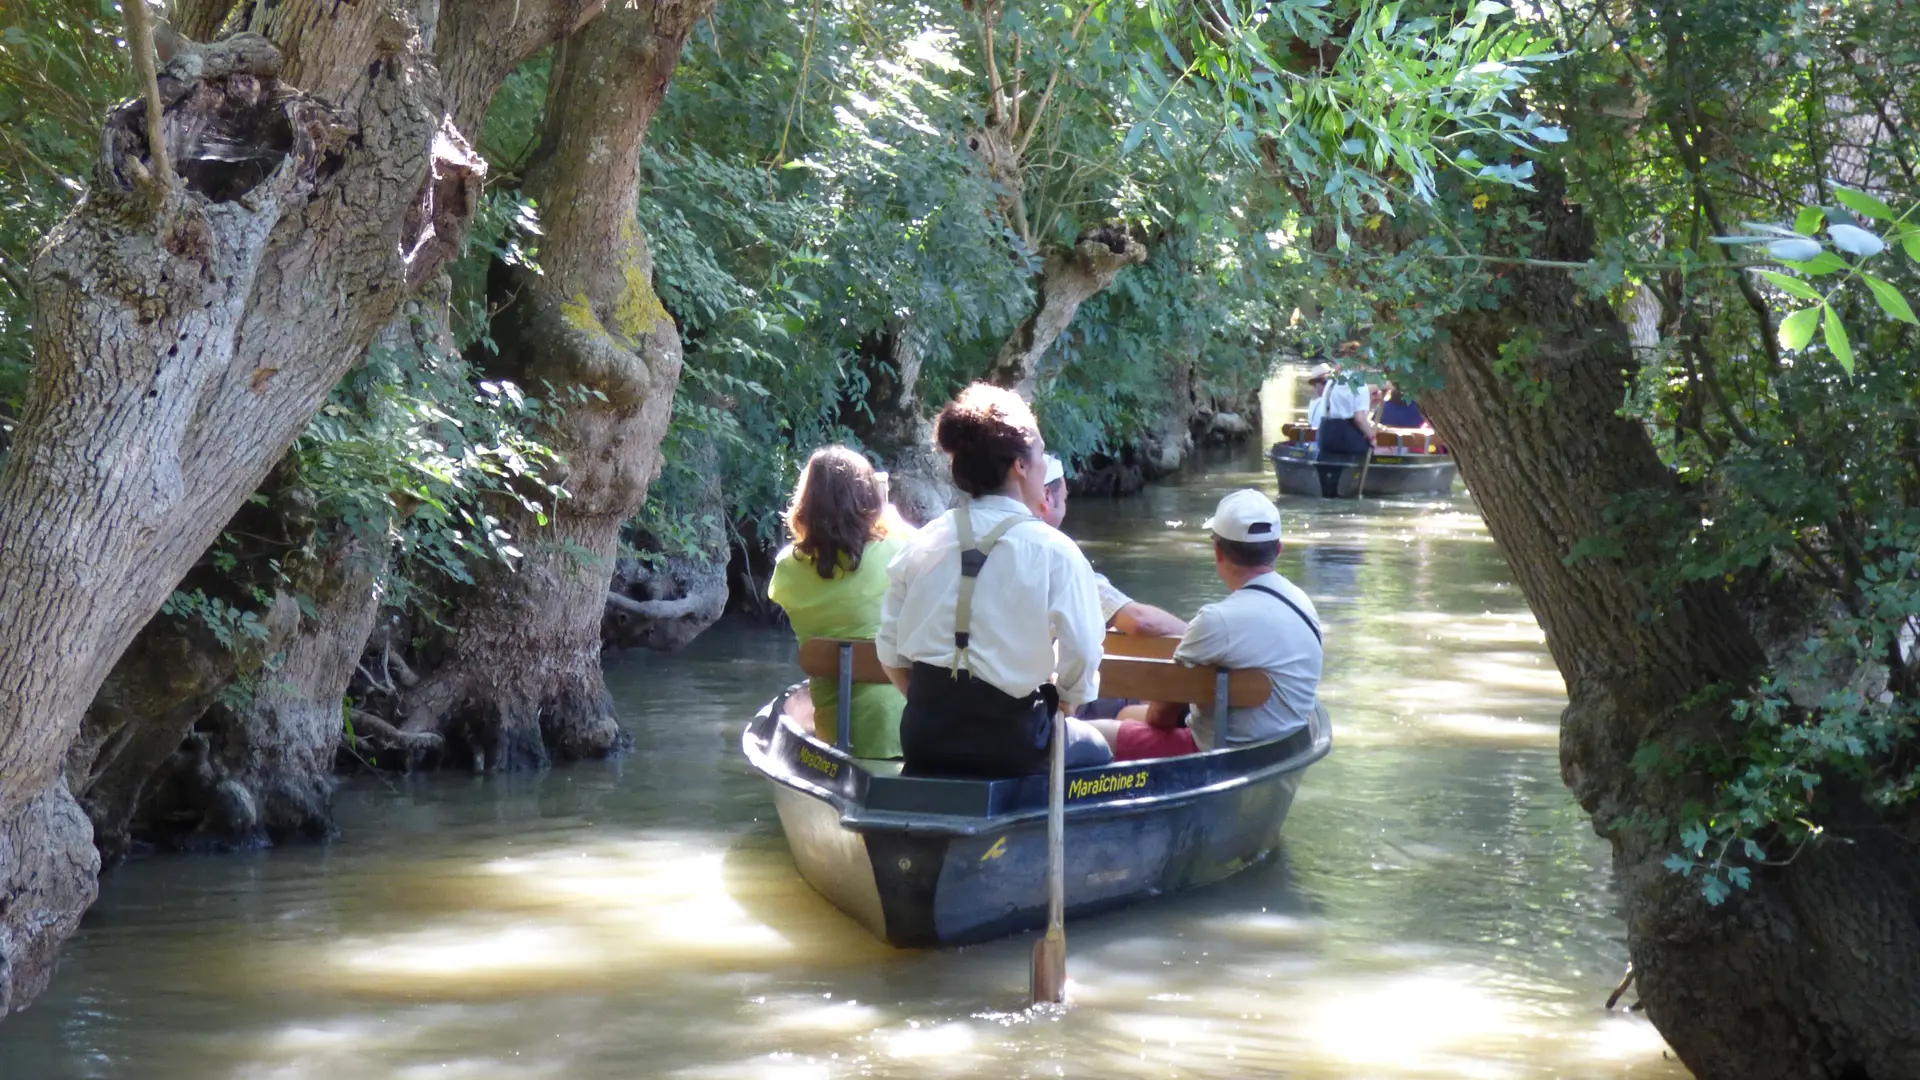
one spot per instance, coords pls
(920, 481)
(1069, 279)
(522, 684)
(270, 757)
(663, 600)
(1814, 971)
(186, 327)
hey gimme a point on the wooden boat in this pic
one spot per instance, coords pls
(1404, 463)
(926, 862)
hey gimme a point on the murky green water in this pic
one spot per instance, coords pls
(1441, 908)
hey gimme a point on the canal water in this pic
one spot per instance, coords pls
(1440, 907)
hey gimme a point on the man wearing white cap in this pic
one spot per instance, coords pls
(1266, 622)
(1122, 612)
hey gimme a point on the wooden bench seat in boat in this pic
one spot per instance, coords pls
(1145, 670)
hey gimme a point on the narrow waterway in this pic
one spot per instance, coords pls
(1440, 908)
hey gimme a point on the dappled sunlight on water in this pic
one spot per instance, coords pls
(1440, 908)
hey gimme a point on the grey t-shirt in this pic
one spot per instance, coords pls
(1250, 629)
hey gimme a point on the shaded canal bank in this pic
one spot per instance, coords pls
(1441, 909)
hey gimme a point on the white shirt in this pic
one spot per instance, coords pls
(1317, 411)
(1250, 629)
(1344, 402)
(1111, 599)
(1036, 589)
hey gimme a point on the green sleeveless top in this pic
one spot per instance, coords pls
(846, 605)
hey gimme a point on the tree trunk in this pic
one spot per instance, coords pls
(665, 599)
(199, 20)
(522, 682)
(161, 686)
(270, 757)
(920, 480)
(186, 328)
(1814, 971)
(1069, 279)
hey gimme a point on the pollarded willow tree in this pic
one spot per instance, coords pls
(254, 221)
(521, 682)
(1713, 508)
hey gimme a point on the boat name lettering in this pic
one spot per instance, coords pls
(818, 763)
(1106, 784)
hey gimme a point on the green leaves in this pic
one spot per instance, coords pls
(1863, 204)
(1797, 329)
(1890, 300)
(1837, 342)
(1791, 285)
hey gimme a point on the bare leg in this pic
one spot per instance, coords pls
(800, 710)
(1108, 729)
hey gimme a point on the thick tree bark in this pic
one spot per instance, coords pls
(184, 333)
(183, 336)
(269, 772)
(161, 686)
(1069, 279)
(522, 682)
(199, 20)
(1814, 971)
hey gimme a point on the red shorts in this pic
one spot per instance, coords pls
(1139, 741)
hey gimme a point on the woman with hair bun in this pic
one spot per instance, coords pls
(830, 581)
(991, 621)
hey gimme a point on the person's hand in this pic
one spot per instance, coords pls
(1165, 715)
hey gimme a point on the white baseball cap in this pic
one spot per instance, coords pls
(1245, 516)
(1320, 371)
(1055, 470)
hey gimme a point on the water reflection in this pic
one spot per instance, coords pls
(1440, 909)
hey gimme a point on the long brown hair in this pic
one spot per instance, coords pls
(835, 509)
(984, 431)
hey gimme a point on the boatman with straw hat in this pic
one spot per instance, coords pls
(1265, 623)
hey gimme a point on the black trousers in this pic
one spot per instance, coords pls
(958, 726)
(1341, 446)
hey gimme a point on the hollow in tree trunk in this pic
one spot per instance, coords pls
(188, 322)
(1815, 970)
(520, 684)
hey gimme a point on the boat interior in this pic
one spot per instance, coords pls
(877, 792)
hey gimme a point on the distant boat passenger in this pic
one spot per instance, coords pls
(831, 579)
(1398, 411)
(1317, 383)
(1346, 431)
(980, 602)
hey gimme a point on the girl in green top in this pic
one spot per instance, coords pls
(831, 579)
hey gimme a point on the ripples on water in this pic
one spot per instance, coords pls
(1441, 908)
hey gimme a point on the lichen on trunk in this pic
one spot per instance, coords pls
(520, 683)
(187, 325)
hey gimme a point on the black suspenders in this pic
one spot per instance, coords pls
(1296, 610)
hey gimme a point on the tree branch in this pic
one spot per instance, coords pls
(140, 44)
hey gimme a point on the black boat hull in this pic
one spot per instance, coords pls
(1386, 477)
(943, 862)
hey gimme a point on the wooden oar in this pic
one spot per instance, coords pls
(1360, 493)
(1050, 952)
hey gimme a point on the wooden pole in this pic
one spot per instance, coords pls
(1050, 953)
